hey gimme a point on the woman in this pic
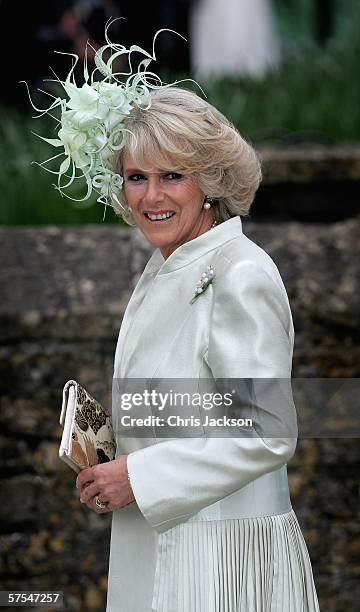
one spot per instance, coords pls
(203, 523)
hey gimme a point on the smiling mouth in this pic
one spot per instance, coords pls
(160, 218)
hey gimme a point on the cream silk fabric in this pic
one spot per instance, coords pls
(212, 528)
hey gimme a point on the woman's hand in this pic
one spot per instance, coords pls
(107, 482)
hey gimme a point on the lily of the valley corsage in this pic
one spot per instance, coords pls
(207, 278)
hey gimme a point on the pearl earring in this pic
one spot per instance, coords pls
(208, 202)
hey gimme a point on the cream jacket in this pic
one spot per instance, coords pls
(240, 327)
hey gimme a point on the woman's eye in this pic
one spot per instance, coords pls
(173, 175)
(135, 177)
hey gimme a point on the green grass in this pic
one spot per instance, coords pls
(313, 95)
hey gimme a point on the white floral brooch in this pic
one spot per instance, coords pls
(207, 278)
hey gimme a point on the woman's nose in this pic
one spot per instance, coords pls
(154, 190)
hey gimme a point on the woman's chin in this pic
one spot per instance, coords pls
(160, 242)
(158, 236)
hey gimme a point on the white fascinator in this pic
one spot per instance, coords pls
(90, 123)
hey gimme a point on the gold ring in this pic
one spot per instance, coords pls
(99, 503)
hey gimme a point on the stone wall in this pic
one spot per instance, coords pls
(64, 291)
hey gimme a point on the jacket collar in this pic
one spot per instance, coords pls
(192, 250)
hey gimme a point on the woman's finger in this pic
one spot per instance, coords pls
(88, 493)
(84, 477)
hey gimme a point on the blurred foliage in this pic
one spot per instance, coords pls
(312, 96)
(295, 20)
(28, 194)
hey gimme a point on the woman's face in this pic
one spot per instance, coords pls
(176, 197)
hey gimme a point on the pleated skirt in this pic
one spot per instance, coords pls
(234, 565)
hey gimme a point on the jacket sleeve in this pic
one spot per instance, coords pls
(251, 336)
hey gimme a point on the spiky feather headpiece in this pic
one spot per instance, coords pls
(91, 123)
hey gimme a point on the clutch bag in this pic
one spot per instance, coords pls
(88, 437)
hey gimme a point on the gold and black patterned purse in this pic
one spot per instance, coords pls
(88, 437)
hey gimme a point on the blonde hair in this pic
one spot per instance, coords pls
(181, 132)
